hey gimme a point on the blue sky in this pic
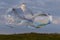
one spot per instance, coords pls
(49, 6)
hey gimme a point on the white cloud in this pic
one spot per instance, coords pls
(56, 20)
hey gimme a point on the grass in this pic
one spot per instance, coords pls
(30, 36)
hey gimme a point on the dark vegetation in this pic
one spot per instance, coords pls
(30, 36)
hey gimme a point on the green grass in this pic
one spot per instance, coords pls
(30, 36)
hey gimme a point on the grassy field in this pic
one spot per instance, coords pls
(30, 36)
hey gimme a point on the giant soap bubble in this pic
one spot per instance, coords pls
(22, 16)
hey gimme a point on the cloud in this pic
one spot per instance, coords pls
(56, 20)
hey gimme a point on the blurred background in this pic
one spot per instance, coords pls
(37, 6)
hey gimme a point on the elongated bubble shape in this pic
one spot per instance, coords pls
(14, 20)
(18, 17)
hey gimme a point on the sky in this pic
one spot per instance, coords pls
(49, 6)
